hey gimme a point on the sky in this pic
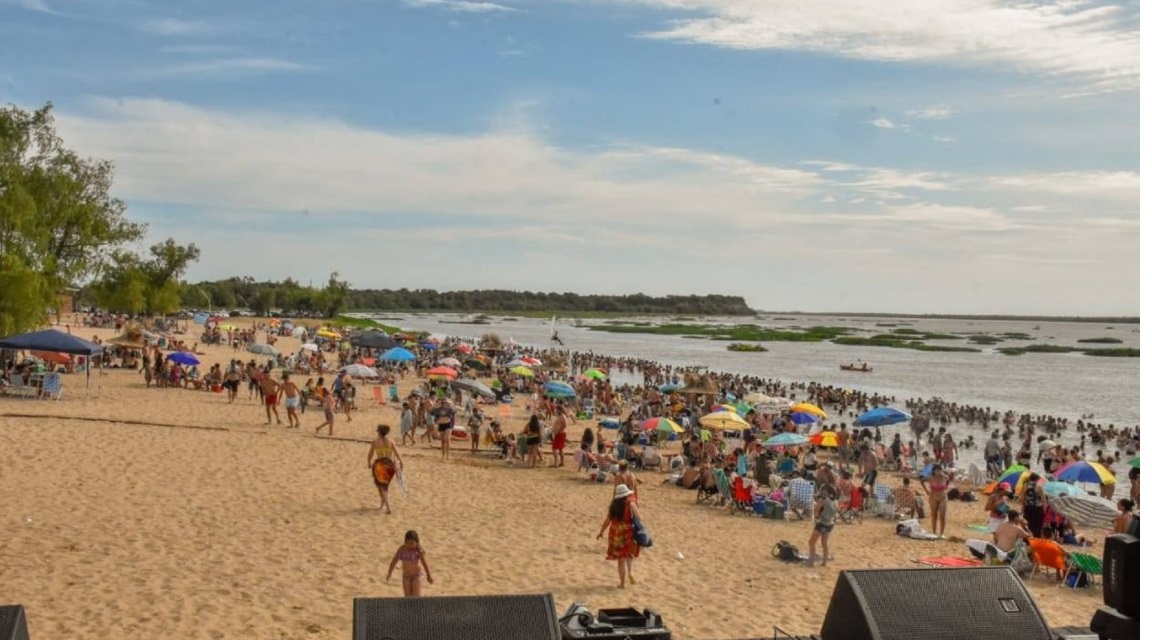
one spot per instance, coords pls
(935, 156)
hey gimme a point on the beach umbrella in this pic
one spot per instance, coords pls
(786, 440)
(1056, 488)
(881, 417)
(310, 346)
(530, 361)
(328, 333)
(804, 418)
(522, 371)
(595, 374)
(1017, 476)
(1086, 472)
(360, 371)
(368, 362)
(661, 424)
(54, 357)
(515, 363)
(671, 387)
(476, 363)
(471, 385)
(464, 348)
(1092, 511)
(429, 346)
(559, 390)
(1134, 462)
(298, 331)
(724, 420)
(757, 397)
(804, 407)
(263, 349)
(449, 362)
(398, 354)
(609, 423)
(184, 358)
(446, 372)
(1014, 472)
(824, 439)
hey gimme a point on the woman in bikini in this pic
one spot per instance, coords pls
(936, 485)
(384, 461)
(413, 565)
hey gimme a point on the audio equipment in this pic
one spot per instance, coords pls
(1122, 574)
(503, 617)
(988, 603)
(13, 626)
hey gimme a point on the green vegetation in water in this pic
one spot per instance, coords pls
(985, 339)
(1037, 348)
(1102, 340)
(743, 332)
(744, 346)
(1012, 351)
(362, 323)
(690, 337)
(1113, 353)
(898, 343)
(1015, 335)
(511, 319)
(887, 324)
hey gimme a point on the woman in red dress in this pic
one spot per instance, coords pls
(622, 545)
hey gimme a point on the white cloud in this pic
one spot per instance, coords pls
(930, 113)
(461, 6)
(882, 123)
(617, 207)
(943, 139)
(1094, 43)
(199, 49)
(38, 6)
(228, 66)
(175, 27)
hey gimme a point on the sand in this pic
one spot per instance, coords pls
(147, 513)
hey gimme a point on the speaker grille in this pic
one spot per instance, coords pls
(942, 604)
(504, 617)
(12, 624)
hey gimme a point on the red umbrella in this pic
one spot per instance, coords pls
(447, 372)
(53, 357)
(464, 348)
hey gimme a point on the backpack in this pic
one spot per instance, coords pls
(786, 552)
(1032, 495)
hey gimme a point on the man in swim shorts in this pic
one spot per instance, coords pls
(291, 395)
(559, 436)
(270, 389)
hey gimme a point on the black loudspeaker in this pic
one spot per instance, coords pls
(13, 626)
(508, 617)
(1122, 574)
(1110, 624)
(888, 604)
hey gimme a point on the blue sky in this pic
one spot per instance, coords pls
(963, 156)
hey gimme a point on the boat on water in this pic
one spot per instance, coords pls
(851, 367)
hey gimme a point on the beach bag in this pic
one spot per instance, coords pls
(1076, 579)
(786, 552)
(640, 533)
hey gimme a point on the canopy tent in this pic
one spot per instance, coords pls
(374, 340)
(57, 341)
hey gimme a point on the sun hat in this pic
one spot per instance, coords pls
(622, 491)
(1005, 486)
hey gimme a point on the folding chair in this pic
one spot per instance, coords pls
(800, 497)
(53, 387)
(882, 502)
(377, 395)
(1087, 564)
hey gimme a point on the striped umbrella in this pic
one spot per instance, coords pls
(724, 420)
(1085, 472)
(1090, 511)
(804, 407)
(1055, 489)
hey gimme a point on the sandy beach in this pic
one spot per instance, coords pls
(149, 513)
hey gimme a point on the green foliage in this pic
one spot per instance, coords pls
(59, 224)
(363, 323)
(744, 332)
(983, 339)
(1102, 340)
(1113, 353)
(133, 285)
(746, 347)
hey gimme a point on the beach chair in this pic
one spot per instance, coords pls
(378, 395)
(801, 494)
(723, 487)
(882, 503)
(650, 458)
(1045, 557)
(742, 495)
(52, 387)
(852, 508)
(20, 388)
(1084, 564)
(708, 491)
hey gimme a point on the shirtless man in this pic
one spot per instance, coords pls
(291, 394)
(271, 393)
(559, 436)
(869, 464)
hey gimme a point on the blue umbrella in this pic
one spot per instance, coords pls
(881, 417)
(786, 440)
(609, 423)
(564, 388)
(398, 354)
(1054, 488)
(430, 346)
(184, 358)
(670, 387)
(799, 417)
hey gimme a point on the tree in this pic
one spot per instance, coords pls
(335, 295)
(168, 264)
(59, 224)
(131, 284)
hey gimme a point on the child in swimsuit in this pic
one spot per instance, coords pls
(413, 565)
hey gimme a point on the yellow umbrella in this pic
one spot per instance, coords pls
(522, 371)
(725, 420)
(825, 439)
(804, 407)
(324, 333)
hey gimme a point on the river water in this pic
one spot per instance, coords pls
(1067, 385)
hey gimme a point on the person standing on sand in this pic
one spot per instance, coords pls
(384, 461)
(627, 478)
(412, 560)
(532, 434)
(407, 424)
(622, 547)
(559, 436)
(825, 514)
(291, 395)
(444, 418)
(328, 402)
(270, 389)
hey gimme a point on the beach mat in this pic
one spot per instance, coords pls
(954, 562)
(982, 528)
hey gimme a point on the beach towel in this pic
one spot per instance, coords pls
(954, 562)
(982, 528)
(912, 529)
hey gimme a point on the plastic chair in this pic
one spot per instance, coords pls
(742, 497)
(1088, 564)
(52, 387)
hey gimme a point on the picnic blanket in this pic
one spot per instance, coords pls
(982, 528)
(954, 562)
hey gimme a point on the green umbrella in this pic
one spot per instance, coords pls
(1014, 469)
(1134, 462)
(595, 374)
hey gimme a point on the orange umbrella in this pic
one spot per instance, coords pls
(53, 357)
(447, 372)
(825, 439)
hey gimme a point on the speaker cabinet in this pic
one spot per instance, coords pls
(889, 604)
(504, 617)
(13, 626)
(1122, 574)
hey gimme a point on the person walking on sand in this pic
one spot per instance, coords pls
(533, 433)
(628, 479)
(407, 424)
(413, 565)
(559, 436)
(936, 486)
(825, 514)
(622, 546)
(291, 395)
(444, 418)
(384, 461)
(328, 402)
(270, 390)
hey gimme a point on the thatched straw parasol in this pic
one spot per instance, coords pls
(133, 337)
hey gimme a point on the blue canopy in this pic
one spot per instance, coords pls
(398, 354)
(184, 358)
(881, 417)
(786, 440)
(200, 319)
(51, 340)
